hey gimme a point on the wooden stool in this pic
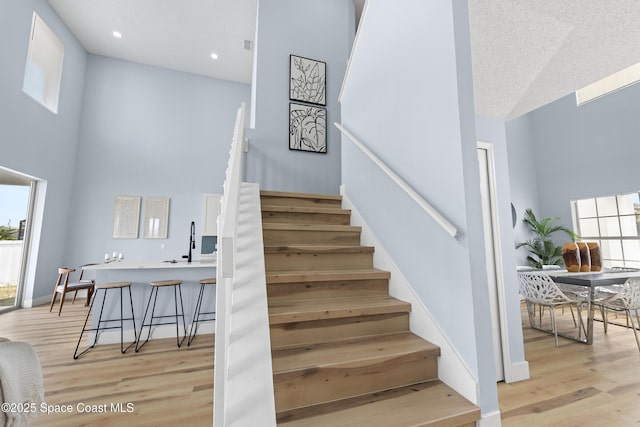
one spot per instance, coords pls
(196, 315)
(176, 284)
(105, 287)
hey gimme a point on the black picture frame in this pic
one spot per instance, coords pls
(307, 80)
(307, 128)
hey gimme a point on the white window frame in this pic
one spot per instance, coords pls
(607, 259)
(43, 72)
(609, 84)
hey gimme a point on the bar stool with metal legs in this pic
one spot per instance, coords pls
(177, 289)
(100, 327)
(197, 313)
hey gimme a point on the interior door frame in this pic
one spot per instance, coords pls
(497, 249)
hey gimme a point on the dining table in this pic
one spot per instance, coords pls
(591, 281)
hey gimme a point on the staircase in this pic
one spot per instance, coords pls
(341, 346)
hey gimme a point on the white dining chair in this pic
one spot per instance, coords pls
(625, 298)
(604, 292)
(539, 289)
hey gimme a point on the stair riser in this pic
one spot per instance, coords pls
(301, 202)
(319, 385)
(303, 237)
(304, 218)
(317, 261)
(318, 331)
(334, 289)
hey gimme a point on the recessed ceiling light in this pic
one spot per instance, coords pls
(117, 34)
(214, 55)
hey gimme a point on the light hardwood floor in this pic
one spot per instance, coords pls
(575, 384)
(166, 385)
(572, 385)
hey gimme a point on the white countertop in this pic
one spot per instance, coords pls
(131, 265)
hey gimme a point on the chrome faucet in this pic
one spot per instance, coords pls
(192, 241)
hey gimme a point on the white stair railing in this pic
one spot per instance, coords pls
(433, 212)
(227, 234)
(243, 382)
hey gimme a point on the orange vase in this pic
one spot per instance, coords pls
(571, 256)
(585, 257)
(594, 253)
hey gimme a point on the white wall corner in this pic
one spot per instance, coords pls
(492, 419)
(519, 372)
(452, 369)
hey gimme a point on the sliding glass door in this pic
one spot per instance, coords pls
(15, 202)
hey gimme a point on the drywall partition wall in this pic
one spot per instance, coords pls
(493, 131)
(35, 141)
(420, 121)
(150, 132)
(320, 30)
(523, 177)
(585, 151)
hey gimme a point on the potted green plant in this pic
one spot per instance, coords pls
(542, 250)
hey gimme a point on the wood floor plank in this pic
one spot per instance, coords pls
(575, 384)
(165, 385)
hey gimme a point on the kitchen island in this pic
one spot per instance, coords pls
(140, 273)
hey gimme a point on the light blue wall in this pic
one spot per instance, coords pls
(35, 141)
(418, 118)
(585, 151)
(321, 30)
(148, 131)
(493, 131)
(523, 177)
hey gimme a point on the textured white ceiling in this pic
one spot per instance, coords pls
(525, 53)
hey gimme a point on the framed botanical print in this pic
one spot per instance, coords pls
(307, 128)
(307, 80)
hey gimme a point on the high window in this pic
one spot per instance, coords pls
(615, 81)
(613, 222)
(44, 65)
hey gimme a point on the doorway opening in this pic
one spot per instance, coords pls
(16, 195)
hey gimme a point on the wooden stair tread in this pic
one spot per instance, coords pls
(342, 351)
(285, 311)
(269, 193)
(304, 209)
(431, 403)
(350, 353)
(297, 276)
(309, 227)
(335, 249)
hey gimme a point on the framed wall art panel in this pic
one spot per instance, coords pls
(307, 128)
(307, 80)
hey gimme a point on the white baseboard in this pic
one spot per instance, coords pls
(28, 303)
(519, 372)
(492, 419)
